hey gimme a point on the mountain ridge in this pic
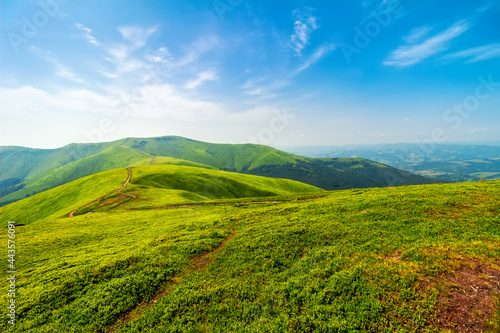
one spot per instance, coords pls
(27, 171)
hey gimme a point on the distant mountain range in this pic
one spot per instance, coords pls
(27, 171)
(450, 162)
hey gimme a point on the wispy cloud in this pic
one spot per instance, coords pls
(382, 8)
(263, 88)
(250, 83)
(197, 49)
(162, 55)
(320, 52)
(137, 36)
(209, 75)
(60, 69)
(413, 53)
(86, 34)
(486, 6)
(417, 35)
(305, 24)
(476, 54)
(67, 74)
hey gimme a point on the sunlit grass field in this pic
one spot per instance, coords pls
(371, 260)
(154, 185)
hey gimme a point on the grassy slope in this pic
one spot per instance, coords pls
(289, 267)
(260, 160)
(222, 156)
(158, 185)
(172, 185)
(111, 158)
(61, 200)
(27, 163)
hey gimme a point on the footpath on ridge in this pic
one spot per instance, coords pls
(71, 214)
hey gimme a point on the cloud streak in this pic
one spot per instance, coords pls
(476, 54)
(419, 50)
(209, 75)
(320, 52)
(86, 34)
(304, 25)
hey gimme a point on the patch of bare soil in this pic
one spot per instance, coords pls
(472, 297)
(395, 256)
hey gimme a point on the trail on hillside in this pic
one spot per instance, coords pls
(125, 185)
(198, 263)
(71, 214)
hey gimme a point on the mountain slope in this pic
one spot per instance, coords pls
(152, 186)
(328, 174)
(406, 259)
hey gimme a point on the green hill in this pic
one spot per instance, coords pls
(400, 259)
(152, 185)
(29, 171)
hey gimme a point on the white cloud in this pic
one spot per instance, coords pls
(413, 53)
(197, 49)
(86, 34)
(60, 69)
(209, 75)
(121, 54)
(305, 24)
(268, 90)
(382, 8)
(250, 83)
(30, 100)
(138, 36)
(162, 55)
(486, 6)
(417, 35)
(320, 52)
(67, 74)
(477, 54)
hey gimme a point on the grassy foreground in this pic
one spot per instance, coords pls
(371, 260)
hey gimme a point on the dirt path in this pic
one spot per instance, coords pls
(152, 160)
(198, 263)
(119, 191)
(125, 185)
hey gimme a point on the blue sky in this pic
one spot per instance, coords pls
(280, 73)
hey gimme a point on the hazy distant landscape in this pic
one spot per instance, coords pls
(250, 166)
(450, 163)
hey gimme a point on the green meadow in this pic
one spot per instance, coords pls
(154, 186)
(361, 260)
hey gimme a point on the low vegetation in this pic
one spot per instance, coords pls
(362, 260)
(153, 185)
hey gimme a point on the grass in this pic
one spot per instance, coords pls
(172, 185)
(370, 260)
(58, 202)
(41, 169)
(111, 158)
(156, 185)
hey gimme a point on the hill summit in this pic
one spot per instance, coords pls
(27, 171)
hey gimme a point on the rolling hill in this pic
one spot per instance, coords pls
(29, 171)
(149, 186)
(399, 259)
